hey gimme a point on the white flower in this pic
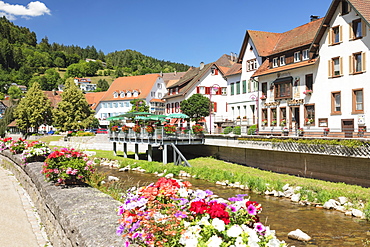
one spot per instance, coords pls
(204, 221)
(234, 231)
(274, 243)
(253, 237)
(218, 224)
(183, 192)
(239, 242)
(189, 239)
(214, 241)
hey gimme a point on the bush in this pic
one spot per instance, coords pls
(252, 130)
(85, 133)
(237, 130)
(228, 130)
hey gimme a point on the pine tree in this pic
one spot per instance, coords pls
(34, 109)
(73, 112)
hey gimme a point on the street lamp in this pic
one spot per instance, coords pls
(214, 87)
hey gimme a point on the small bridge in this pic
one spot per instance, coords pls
(158, 139)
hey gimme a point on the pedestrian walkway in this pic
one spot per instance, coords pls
(19, 223)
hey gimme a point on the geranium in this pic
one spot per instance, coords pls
(197, 128)
(169, 128)
(5, 143)
(264, 121)
(263, 97)
(114, 128)
(67, 164)
(282, 122)
(35, 149)
(125, 128)
(326, 129)
(18, 146)
(149, 129)
(137, 129)
(307, 92)
(169, 213)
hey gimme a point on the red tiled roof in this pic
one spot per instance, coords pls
(235, 69)
(157, 100)
(54, 97)
(141, 83)
(93, 99)
(363, 7)
(264, 42)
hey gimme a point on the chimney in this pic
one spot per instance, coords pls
(201, 66)
(314, 17)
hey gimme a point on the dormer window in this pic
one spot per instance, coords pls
(115, 95)
(345, 7)
(275, 62)
(214, 71)
(305, 55)
(171, 91)
(176, 90)
(128, 93)
(282, 60)
(297, 56)
(136, 93)
(122, 94)
(251, 64)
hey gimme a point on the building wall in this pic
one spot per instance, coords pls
(347, 82)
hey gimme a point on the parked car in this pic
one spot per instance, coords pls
(102, 131)
(91, 130)
(51, 132)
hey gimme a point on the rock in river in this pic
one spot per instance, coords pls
(299, 235)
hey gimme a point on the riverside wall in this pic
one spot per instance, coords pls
(72, 216)
(350, 170)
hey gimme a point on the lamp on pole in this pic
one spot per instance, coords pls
(215, 87)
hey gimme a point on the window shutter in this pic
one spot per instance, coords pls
(364, 27)
(350, 63)
(351, 34)
(198, 90)
(219, 91)
(330, 36)
(208, 89)
(216, 71)
(330, 69)
(340, 34)
(341, 65)
(226, 106)
(364, 61)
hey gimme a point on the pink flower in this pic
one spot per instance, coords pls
(74, 172)
(69, 170)
(259, 227)
(252, 210)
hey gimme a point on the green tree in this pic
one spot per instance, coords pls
(33, 110)
(59, 62)
(196, 107)
(103, 85)
(8, 117)
(73, 112)
(139, 105)
(15, 92)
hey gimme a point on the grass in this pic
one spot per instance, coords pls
(50, 138)
(257, 180)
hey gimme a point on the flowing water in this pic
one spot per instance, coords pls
(326, 227)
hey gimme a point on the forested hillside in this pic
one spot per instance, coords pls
(23, 60)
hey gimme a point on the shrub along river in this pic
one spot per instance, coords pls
(326, 227)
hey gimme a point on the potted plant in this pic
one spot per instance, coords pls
(238, 117)
(326, 131)
(125, 129)
(285, 131)
(307, 92)
(273, 122)
(149, 129)
(67, 167)
(309, 121)
(300, 131)
(197, 129)
(137, 129)
(361, 131)
(264, 122)
(263, 97)
(114, 128)
(17, 147)
(169, 129)
(282, 122)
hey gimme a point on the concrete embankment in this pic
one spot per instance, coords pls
(73, 216)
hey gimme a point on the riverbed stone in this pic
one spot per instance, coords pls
(340, 208)
(358, 213)
(285, 187)
(331, 204)
(112, 178)
(169, 175)
(295, 197)
(342, 200)
(299, 235)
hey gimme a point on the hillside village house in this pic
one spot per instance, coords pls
(313, 70)
(208, 80)
(116, 101)
(84, 84)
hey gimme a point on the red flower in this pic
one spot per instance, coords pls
(217, 210)
(198, 207)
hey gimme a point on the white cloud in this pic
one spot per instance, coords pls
(31, 10)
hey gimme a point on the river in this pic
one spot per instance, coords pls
(326, 227)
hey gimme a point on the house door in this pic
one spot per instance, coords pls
(348, 127)
(294, 117)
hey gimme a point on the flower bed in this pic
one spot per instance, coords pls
(36, 151)
(169, 213)
(67, 164)
(197, 129)
(169, 129)
(17, 147)
(5, 143)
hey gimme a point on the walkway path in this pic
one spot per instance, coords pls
(19, 223)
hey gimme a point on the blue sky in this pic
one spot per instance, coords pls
(187, 32)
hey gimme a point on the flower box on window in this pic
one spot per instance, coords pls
(307, 92)
(263, 97)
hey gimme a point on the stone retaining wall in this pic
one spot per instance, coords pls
(73, 216)
(350, 170)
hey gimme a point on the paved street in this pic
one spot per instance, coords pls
(19, 225)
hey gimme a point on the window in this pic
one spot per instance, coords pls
(309, 112)
(357, 29)
(305, 54)
(120, 104)
(282, 116)
(127, 104)
(244, 86)
(115, 105)
(282, 60)
(122, 95)
(273, 117)
(159, 85)
(232, 89)
(275, 62)
(214, 71)
(358, 101)
(335, 103)
(159, 95)
(357, 63)
(309, 81)
(115, 94)
(252, 64)
(297, 56)
(264, 88)
(283, 89)
(335, 67)
(323, 122)
(335, 35)
(152, 94)
(224, 90)
(345, 8)
(238, 87)
(264, 116)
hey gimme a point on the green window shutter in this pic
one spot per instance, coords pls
(232, 89)
(244, 86)
(238, 87)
